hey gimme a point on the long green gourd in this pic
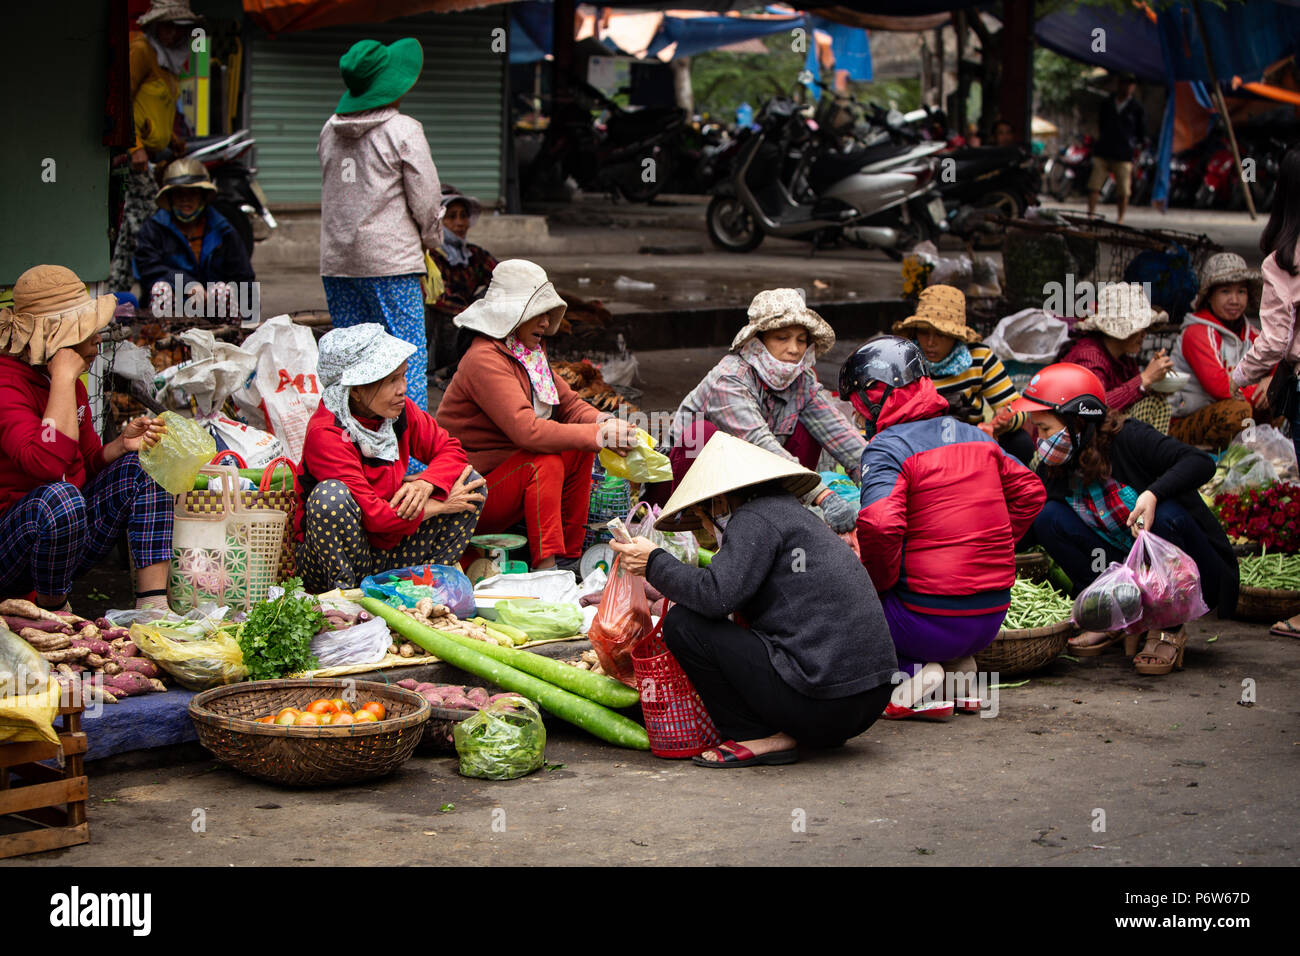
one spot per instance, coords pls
(590, 716)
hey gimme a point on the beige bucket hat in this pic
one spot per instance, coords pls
(779, 309)
(1122, 309)
(168, 11)
(941, 308)
(52, 310)
(1224, 268)
(727, 463)
(519, 291)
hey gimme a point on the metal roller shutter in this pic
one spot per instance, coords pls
(294, 85)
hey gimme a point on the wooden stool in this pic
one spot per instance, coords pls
(49, 801)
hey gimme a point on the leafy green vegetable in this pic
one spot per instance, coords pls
(276, 638)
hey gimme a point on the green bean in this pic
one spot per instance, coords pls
(1271, 571)
(1036, 605)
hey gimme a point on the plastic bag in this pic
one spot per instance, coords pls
(282, 393)
(209, 661)
(1030, 335)
(622, 619)
(643, 464)
(1169, 581)
(504, 740)
(842, 485)
(541, 622)
(1269, 443)
(174, 462)
(29, 700)
(680, 544)
(216, 371)
(1112, 602)
(404, 587)
(1252, 471)
(364, 643)
(256, 447)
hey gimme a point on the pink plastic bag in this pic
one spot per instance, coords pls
(1169, 581)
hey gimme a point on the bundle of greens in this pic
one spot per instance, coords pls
(276, 637)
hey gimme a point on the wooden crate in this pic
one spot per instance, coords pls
(48, 802)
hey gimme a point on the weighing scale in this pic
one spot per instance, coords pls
(498, 548)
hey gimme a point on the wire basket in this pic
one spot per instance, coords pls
(226, 721)
(614, 501)
(675, 718)
(1020, 651)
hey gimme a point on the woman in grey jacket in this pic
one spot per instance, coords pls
(381, 202)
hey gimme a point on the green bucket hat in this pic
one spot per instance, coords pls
(375, 74)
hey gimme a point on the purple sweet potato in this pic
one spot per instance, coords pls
(127, 683)
(129, 650)
(140, 665)
(409, 683)
(422, 687)
(97, 646)
(16, 624)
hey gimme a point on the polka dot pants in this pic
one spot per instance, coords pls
(336, 553)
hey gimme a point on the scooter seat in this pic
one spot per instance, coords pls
(830, 168)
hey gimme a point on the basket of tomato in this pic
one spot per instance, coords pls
(309, 733)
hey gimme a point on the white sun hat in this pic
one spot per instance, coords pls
(359, 355)
(727, 463)
(519, 291)
(1122, 309)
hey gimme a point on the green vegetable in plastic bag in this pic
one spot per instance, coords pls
(504, 740)
(174, 462)
(643, 464)
(542, 622)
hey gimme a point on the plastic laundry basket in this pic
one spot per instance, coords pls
(675, 718)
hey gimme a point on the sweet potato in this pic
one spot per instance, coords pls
(95, 661)
(20, 608)
(44, 640)
(409, 683)
(407, 650)
(66, 655)
(102, 648)
(139, 665)
(16, 624)
(129, 649)
(127, 683)
(89, 632)
(156, 684)
(111, 668)
(422, 687)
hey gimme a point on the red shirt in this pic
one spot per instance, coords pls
(34, 454)
(328, 453)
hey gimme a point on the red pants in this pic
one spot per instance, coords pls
(550, 492)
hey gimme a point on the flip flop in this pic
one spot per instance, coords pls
(928, 710)
(1284, 629)
(734, 756)
(1093, 650)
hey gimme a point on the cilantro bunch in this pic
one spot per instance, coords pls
(276, 637)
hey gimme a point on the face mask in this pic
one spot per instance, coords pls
(182, 217)
(1057, 449)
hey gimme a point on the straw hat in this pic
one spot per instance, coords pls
(519, 291)
(183, 173)
(52, 310)
(168, 11)
(1122, 310)
(359, 355)
(376, 75)
(1225, 268)
(728, 463)
(779, 309)
(942, 309)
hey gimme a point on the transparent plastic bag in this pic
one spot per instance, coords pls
(504, 740)
(29, 700)
(364, 643)
(541, 621)
(209, 661)
(680, 544)
(622, 619)
(1253, 471)
(1112, 602)
(1169, 581)
(174, 462)
(642, 464)
(404, 587)
(1270, 444)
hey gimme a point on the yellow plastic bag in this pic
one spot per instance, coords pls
(431, 283)
(175, 461)
(643, 464)
(197, 664)
(29, 700)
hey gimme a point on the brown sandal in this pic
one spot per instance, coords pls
(1162, 666)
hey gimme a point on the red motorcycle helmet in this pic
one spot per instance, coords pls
(1066, 389)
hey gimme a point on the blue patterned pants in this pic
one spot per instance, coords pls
(396, 303)
(57, 532)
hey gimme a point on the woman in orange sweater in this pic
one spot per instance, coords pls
(526, 431)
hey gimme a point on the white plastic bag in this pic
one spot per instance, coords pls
(364, 643)
(1269, 443)
(215, 371)
(256, 447)
(1030, 335)
(1253, 471)
(283, 392)
(554, 586)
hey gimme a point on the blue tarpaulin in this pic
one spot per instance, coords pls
(850, 46)
(697, 34)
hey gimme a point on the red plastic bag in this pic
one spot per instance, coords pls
(622, 619)
(1169, 581)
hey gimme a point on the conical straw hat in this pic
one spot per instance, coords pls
(727, 463)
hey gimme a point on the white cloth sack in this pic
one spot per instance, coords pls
(214, 372)
(282, 393)
(1030, 335)
(553, 586)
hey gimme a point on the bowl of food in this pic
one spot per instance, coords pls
(1172, 382)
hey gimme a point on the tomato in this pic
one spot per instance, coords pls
(340, 719)
(341, 705)
(306, 720)
(327, 719)
(376, 708)
(365, 717)
(321, 706)
(287, 716)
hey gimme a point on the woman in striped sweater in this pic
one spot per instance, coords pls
(966, 372)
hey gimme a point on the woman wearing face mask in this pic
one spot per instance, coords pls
(466, 270)
(524, 429)
(813, 663)
(1113, 338)
(765, 390)
(363, 513)
(1109, 476)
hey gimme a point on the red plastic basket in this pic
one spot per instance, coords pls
(675, 718)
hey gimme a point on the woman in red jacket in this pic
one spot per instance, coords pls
(65, 497)
(943, 568)
(363, 512)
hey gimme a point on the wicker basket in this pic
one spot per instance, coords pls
(437, 737)
(1033, 566)
(226, 721)
(1267, 604)
(1024, 650)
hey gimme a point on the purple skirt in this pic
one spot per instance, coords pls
(932, 638)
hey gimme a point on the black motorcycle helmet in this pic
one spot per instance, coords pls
(891, 360)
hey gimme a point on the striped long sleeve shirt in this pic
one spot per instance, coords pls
(984, 383)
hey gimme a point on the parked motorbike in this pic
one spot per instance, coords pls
(788, 181)
(1071, 168)
(975, 180)
(239, 197)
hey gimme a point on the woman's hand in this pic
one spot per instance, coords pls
(411, 498)
(463, 496)
(1143, 515)
(1159, 366)
(66, 365)
(617, 434)
(634, 554)
(1259, 397)
(140, 160)
(142, 432)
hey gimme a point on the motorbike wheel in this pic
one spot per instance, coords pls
(1004, 203)
(1204, 197)
(730, 225)
(1058, 182)
(239, 219)
(635, 189)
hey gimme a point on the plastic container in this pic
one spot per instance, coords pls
(174, 462)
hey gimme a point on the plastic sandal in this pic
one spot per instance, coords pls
(1284, 629)
(733, 756)
(1179, 642)
(1093, 650)
(928, 710)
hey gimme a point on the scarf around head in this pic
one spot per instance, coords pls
(171, 60)
(538, 369)
(774, 373)
(455, 248)
(378, 442)
(956, 362)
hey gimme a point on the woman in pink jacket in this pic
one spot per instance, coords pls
(1278, 343)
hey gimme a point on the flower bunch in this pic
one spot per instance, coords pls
(1269, 515)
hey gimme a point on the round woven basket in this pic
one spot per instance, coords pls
(1267, 604)
(226, 721)
(437, 738)
(1033, 566)
(1024, 650)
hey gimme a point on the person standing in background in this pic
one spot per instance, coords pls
(1121, 126)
